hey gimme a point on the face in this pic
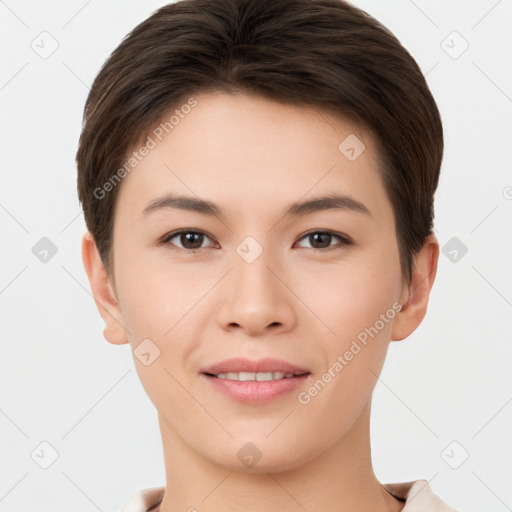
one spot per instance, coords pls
(257, 273)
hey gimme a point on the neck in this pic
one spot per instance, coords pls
(340, 478)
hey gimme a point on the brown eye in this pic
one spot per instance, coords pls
(186, 239)
(322, 239)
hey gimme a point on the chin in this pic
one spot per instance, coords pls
(260, 456)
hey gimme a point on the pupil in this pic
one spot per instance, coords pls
(326, 240)
(189, 237)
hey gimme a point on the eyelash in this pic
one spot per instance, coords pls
(344, 240)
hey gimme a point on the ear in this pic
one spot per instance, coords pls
(103, 293)
(415, 297)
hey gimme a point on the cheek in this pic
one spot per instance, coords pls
(348, 299)
(153, 299)
(357, 306)
(353, 358)
(156, 309)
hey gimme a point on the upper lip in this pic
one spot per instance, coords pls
(242, 364)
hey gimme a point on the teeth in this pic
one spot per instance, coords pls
(259, 376)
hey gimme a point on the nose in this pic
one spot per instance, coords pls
(255, 297)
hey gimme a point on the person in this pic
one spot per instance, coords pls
(257, 180)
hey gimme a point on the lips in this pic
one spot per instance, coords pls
(265, 365)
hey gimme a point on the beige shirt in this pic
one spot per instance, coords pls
(417, 496)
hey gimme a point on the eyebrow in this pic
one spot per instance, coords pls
(300, 208)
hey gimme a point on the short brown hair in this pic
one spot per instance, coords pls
(322, 53)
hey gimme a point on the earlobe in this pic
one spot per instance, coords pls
(103, 293)
(415, 300)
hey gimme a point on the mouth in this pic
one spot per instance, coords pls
(255, 376)
(248, 369)
(254, 382)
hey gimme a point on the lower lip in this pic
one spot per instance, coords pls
(255, 392)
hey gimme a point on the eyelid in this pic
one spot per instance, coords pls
(167, 237)
(345, 239)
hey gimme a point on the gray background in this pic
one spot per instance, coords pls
(445, 393)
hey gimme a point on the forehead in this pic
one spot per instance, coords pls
(249, 153)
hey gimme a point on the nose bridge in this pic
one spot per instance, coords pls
(256, 298)
(254, 281)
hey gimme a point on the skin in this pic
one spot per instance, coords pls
(297, 301)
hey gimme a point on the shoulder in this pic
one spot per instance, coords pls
(145, 500)
(418, 497)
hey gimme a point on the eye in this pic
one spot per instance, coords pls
(321, 240)
(190, 240)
